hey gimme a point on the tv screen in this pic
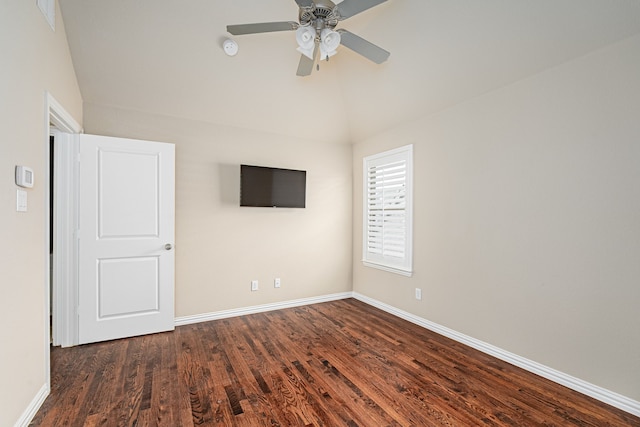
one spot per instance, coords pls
(272, 187)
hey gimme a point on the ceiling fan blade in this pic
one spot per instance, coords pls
(305, 67)
(348, 8)
(262, 27)
(304, 3)
(363, 47)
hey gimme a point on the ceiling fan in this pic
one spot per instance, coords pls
(316, 34)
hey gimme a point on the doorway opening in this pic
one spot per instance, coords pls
(51, 232)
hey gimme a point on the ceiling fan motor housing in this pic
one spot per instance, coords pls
(322, 14)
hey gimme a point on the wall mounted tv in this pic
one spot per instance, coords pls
(272, 187)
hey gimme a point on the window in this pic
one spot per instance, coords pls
(387, 210)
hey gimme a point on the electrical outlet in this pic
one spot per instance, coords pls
(418, 293)
(254, 285)
(276, 282)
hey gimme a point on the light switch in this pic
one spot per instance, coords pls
(21, 201)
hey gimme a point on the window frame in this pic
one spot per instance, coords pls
(403, 265)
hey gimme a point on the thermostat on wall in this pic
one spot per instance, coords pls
(24, 176)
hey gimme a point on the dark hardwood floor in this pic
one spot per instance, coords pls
(341, 363)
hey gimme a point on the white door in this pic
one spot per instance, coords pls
(125, 238)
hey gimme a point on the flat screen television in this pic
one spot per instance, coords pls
(272, 187)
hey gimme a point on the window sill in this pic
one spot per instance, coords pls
(407, 273)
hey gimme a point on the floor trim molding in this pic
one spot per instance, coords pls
(34, 406)
(205, 317)
(612, 398)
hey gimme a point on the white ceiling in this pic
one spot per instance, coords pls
(165, 57)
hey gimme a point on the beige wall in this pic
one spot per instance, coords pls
(527, 209)
(33, 59)
(221, 247)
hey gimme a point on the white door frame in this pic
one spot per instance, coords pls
(64, 265)
(65, 252)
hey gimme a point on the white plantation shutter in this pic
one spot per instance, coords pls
(387, 210)
(386, 205)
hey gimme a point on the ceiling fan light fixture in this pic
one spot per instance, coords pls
(326, 54)
(305, 36)
(329, 42)
(306, 52)
(330, 38)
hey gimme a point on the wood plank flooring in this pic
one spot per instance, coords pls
(340, 363)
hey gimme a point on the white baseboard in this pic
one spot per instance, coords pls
(32, 409)
(612, 398)
(205, 317)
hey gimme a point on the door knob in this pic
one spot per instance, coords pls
(168, 246)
